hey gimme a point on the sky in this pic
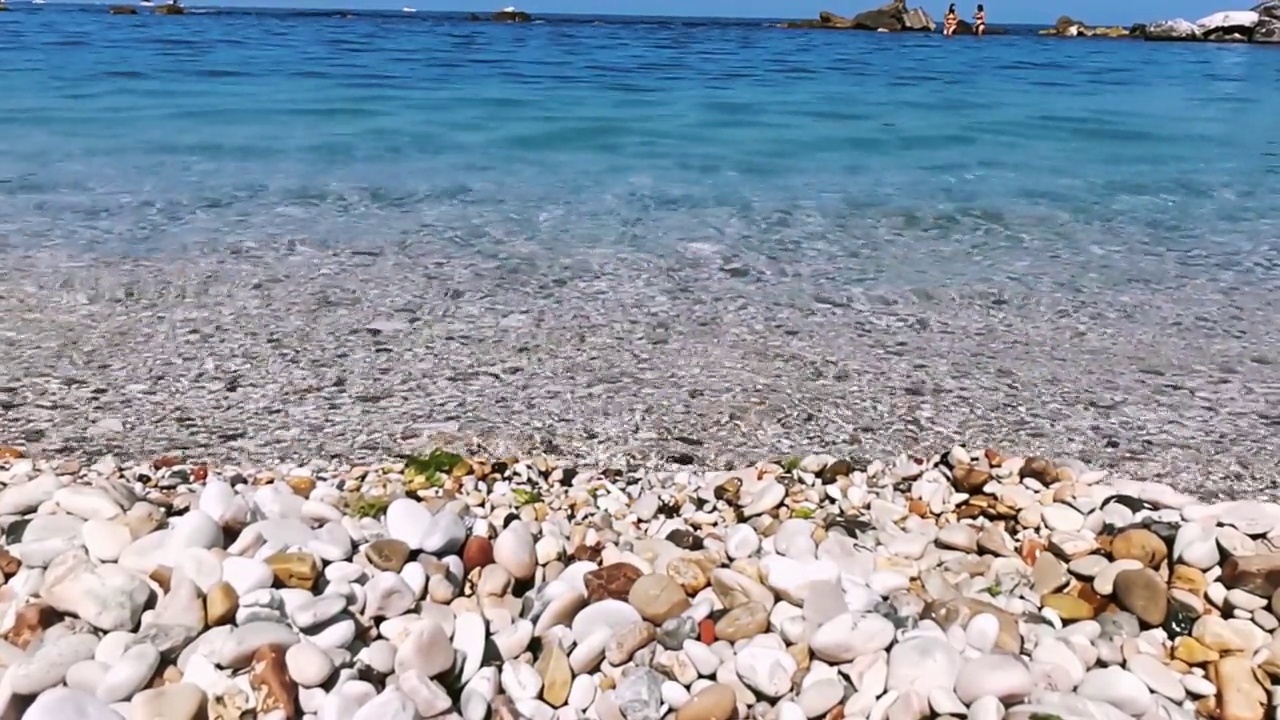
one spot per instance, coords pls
(1093, 12)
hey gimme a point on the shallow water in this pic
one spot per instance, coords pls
(1071, 245)
(1125, 161)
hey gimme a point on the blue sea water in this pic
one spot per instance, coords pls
(1109, 161)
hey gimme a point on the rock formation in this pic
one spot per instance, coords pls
(1261, 24)
(122, 10)
(510, 16)
(1067, 26)
(894, 17)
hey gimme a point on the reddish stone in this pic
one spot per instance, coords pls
(1255, 574)
(1039, 469)
(611, 581)
(588, 553)
(276, 691)
(30, 623)
(8, 452)
(8, 563)
(707, 631)
(200, 473)
(166, 461)
(477, 553)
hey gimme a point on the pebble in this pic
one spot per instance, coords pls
(966, 585)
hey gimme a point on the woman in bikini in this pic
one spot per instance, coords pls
(980, 20)
(950, 20)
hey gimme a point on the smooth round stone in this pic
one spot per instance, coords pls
(1062, 517)
(49, 665)
(1005, 677)
(514, 550)
(817, 698)
(1157, 676)
(1197, 545)
(1117, 687)
(470, 639)
(308, 665)
(427, 649)
(62, 703)
(769, 496)
(237, 649)
(1055, 653)
(607, 616)
(846, 637)
(958, 536)
(86, 676)
(766, 670)
(317, 611)
(444, 535)
(129, 674)
(741, 541)
(923, 663)
(408, 521)
(246, 574)
(387, 595)
(1104, 581)
(1088, 566)
(105, 540)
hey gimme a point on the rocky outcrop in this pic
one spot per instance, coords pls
(1229, 26)
(171, 9)
(1266, 31)
(1167, 30)
(1069, 27)
(122, 10)
(516, 16)
(1261, 24)
(894, 17)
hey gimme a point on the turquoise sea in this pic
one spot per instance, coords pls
(1073, 162)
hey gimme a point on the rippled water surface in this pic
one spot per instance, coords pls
(897, 157)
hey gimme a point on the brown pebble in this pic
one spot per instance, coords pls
(221, 603)
(611, 581)
(387, 554)
(477, 553)
(295, 569)
(270, 679)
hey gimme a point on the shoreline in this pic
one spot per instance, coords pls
(696, 360)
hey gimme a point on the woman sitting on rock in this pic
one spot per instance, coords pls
(980, 20)
(950, 21)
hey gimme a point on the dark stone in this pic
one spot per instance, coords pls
(171, 9)
(122, 10)
(685, 539)
(1180, 619)
(1165, 531)
(515, 16)
(832, 472)
(1132, 503)
(1137, 30)
(682, 458)
(13, 533)
(850, 524)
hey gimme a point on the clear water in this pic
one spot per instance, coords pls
(1084, 163)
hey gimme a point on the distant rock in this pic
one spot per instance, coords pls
(1178, 29)
(1067, 26)
(509, 16)
(1266, 31)
(122, 10)
(1268, 10)
(171, 9)
(1229, 26)
(894, 17)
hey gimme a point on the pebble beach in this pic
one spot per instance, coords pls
(965, 584)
